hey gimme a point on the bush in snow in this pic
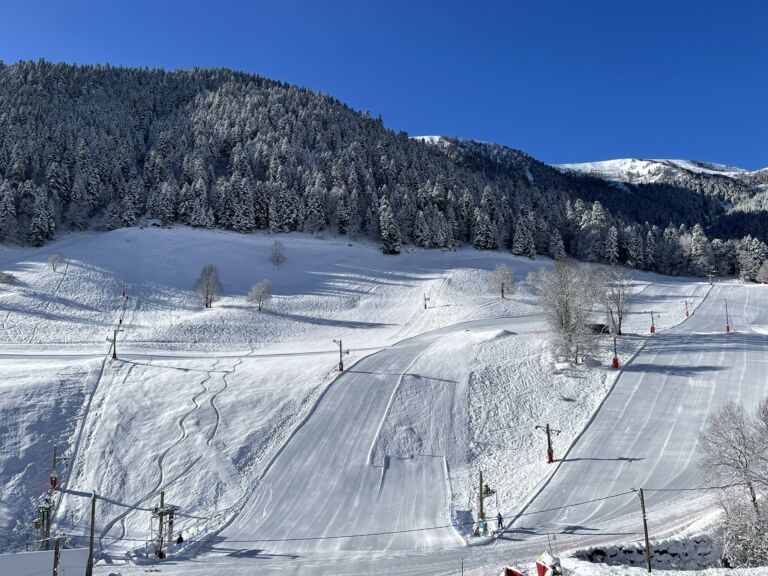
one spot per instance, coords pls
(208, 286)
(260, 293)
(734, 456)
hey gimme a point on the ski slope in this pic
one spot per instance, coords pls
(241, 419)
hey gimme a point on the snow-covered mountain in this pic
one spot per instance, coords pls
(636, 170)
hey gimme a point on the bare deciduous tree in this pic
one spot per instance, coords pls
(260, 293)
(208, 286)
(617, 291)
(502, 280)
(734, 454)
(54, 260)
(568, 293)
(278, 253)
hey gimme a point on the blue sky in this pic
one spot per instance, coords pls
(564, 80)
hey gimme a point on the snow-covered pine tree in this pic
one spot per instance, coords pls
(199, 211)
(315, 206)
(162, 201)
(649, 256)
(354, 222)
(390, 234)
(422, 234)
(485, 235)
(751, 253)
(701, 252)
(42, 226)
(342, 213)
(611, 253)
(9, 224)
(522, 241)
(556, 250)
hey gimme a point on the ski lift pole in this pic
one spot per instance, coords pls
(341, 355)
(114, 342)
(549, 431)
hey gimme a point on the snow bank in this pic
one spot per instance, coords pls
(684, 554)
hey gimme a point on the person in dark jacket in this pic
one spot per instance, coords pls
(499, 521)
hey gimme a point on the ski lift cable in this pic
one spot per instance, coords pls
(428, 528)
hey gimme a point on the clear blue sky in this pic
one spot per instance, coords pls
(565, 80)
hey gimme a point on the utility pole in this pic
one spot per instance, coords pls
(341, 355)
(645, 531)
(162, 507)
(653, 324)
(615, 355)
(549, 431)
(114, 342)
(427, 300)
(89, 566)
(56, 555)
(727, 318)
(481, 515)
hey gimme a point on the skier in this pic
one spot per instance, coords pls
(499, 521)
(483, 527)
(179, 540)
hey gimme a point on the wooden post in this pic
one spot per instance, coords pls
(481, 515)
(645, 532)
(160, 516)
(56, 554)
(89, 566)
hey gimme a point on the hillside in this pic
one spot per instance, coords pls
(99, 147)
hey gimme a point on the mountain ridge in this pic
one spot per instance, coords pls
(102, 146)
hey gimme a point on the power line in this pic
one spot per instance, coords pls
(386, 532)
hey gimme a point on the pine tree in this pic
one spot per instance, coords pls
(315, 206)
(701, 252)
(42, 226)
(9, 224)
(422, 235)
(342, 215)
(485, 238)
(390, 235)
(611, 254)
(162, 201)
(522, 241)
(556, 249)
(650, 250)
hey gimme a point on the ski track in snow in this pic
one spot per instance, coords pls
(355, 301)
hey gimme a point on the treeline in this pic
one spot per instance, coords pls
(84, 146)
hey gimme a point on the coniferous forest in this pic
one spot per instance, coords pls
(103, 147)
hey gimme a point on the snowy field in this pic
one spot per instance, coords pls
(240, 418)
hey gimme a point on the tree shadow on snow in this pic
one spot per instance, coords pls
(325, 321)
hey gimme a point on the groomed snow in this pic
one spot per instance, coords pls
(239, 417)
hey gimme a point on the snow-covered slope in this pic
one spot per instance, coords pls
(634, 170)
(239, 417)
